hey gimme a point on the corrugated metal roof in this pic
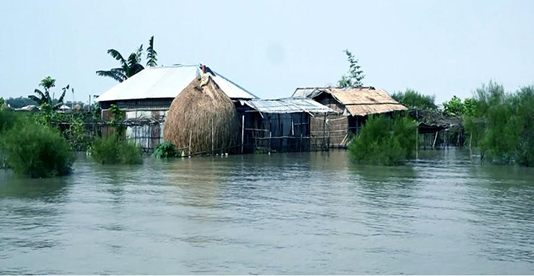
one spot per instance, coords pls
(358, 101)
(167, 82)
(288, 105)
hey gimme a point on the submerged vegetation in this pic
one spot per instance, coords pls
(502, 124)
(165, 150)
(115, 150)
(385, 141)
(35, 150)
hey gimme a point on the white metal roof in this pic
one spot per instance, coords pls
(288, 105)
(167, 82)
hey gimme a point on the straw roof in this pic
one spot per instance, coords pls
(358, 101)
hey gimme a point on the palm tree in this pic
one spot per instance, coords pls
(132, 65)
(44, 99)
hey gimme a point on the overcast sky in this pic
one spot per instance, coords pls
(270, 47)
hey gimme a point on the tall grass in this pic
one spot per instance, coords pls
(35, 150)
(112, 150)
(385, 141)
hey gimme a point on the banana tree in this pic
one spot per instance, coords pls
(132, 65)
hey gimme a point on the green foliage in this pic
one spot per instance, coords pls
(118, 116)
(36, 150)
(7, 119)
(132, 65)
(385, 141)
(2, 103)
(165, 150)
(415, 100)
(454, 107)
(355, 75)
(112, 150)
(43, 99)
(503, 124)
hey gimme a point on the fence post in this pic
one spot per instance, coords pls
(242, 132)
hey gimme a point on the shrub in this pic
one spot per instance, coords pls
(165, 150)
(503, 124)
(7, 119)
(112, 150)
(36, 150)
(384, 141)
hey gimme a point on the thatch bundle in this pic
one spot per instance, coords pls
(202, 120)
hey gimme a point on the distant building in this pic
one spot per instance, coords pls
(354, 104)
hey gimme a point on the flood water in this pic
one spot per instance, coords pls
(313, 213)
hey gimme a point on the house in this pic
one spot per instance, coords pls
(281, 125)
(354, 104)
(146, 97)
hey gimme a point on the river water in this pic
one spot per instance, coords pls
(313, 213)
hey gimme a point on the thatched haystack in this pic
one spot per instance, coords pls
(202, 120)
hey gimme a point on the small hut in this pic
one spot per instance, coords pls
(354, 104)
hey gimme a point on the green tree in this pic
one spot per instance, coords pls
(415, 100)
(132, 65)
(355, 75)
(454, 107)
(2, 103)
(43, 99)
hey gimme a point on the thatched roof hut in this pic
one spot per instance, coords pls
(202, 119)
(353, 101)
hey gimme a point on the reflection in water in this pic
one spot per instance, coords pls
(282, 213)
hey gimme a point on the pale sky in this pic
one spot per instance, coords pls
(443, 48)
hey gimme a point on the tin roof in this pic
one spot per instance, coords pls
(167, 82)
(288, 105)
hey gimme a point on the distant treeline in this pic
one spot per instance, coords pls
(24, 101)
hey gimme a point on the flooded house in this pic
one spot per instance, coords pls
(353, 105)
(275, 125)
(146, 97)
(282, 125)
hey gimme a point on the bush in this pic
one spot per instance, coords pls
(384, 141)
(415, 100)
(7, 119)
(36, 150)
(165, 150)
(112, 150)
(503, 125)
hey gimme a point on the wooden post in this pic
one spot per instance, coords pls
(190, 134)
(212, 138)
(270, 139)
(324, 133)
(242, 133)
(435, 139)
(416, 142)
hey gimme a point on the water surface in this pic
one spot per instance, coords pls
(313, 213)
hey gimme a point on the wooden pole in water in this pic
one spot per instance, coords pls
(324, 133)
(435, 140)
(190, 134)
(212, 138)
(416, 142)
(242, 133)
